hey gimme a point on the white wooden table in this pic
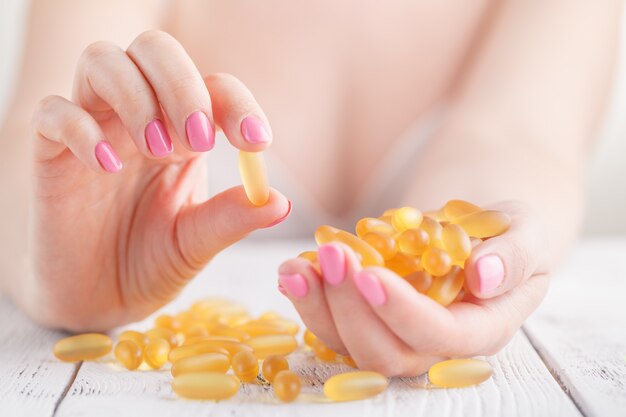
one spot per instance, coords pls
(568, 360)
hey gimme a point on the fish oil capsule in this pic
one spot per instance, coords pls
(278, 344)
(456, 373)
(484, 224)
(325, 234)
(403, 264)
(272, 315)
(309, 337)
(383, 243)
(128, 354)
(287, 386)
(434, 230)
(199, 348)
(349, 361)
(156, 353)
(168, 322)
(413, 241)
(204, 362)
(272, 365)
(197, 329)
(355, 385)
(82, 347)
(245, 366)
(436, 261)
(369, 255)
(209, 344)
(310, 255)
(406, 218)
(457, 243)
(163, 333)
(139, 338)
(454, 209)
(323, 352)
(371, 224)
(233, 332)
(445, 289)
(254, 177)
(206, 385)
(257, 328)
(420, 280)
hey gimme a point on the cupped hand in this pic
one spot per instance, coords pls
(121, 216)
(385, 325)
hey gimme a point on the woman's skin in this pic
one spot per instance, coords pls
(525, 83)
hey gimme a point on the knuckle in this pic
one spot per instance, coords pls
(151, 37)
(222, 77)
(98, 50)
(521, 261)
(44, 106)
(79, 127)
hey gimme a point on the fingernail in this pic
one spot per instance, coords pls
(295, 284)
(490, 273)
(157, 138)
(282, 218)
(333, 263)
(282, 290)
(107, 157)
(200, 133)
(254, 131)
(370, 288)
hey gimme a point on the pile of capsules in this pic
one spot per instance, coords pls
(428, 250)
(215, 346)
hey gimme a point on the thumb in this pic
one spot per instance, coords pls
(205, 229)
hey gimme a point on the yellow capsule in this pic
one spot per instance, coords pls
(287, 386)
(272, 315)
(163, 333)
(168, 322)
(290, 326)
(484, 224)
(369, 255)
(445, 289)
(459, 208)
(272, 365)
(349, 361)
(206, 385)
(436, 261)
(310, 255)
(139, 338)
(204, 362)
(82, 347)
(413, 242)
(264, 328)
(323, 352)
(186, 318)
(254, 177)
(389, 212)
(434, 230)
(406, 218)
(457, 243)
(371, 224)
(156, 352)
(383, 243)
(309, 337)
(403, 264)
(232, 332)
(196, 329)
(128, 354)
(245, 366)
(355, 385)
(209, 344)
(277, 344)
(420, 280)
(186, 351)
(456, 373)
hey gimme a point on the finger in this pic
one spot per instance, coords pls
(303, 286)
(61, 124)
(178, 85)
(205, 229)
(108, 81)
(504, 262)
(237, 112)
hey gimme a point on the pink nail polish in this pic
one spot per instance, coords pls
(200, 133)
(370, 287)
(157, 138)
(295, 284)
(254, 131)
(281, 219)
(333, 263)
(282, 290)
(107, 157)
(490, 273)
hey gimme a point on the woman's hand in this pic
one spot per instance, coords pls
(121, 221)
(385, 325)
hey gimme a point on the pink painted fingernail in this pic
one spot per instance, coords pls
(282, 218)
(370, 287)
(490, 273)
(107, 157)
(157, 138)
(333, 263)
(200, 133)
(282, 290)
(295, 284)
(254, 131)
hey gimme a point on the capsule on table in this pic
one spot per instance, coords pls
(232, 332)
(406, 218)
(287, 386)
(128, 354)
(434, 230)
(403, 264)
(272, 365)
(456, 373)
(457, 243)
(355, 385)
(139, 338)
(323, 352)
(204, 362)
(263, 346)
(454, 209)
(168, 322)
(82, 347)
(445, 289)
(382, 242)
(309, 337)
(371, 224)
(264, 328)
(254, 177)
(436, 261)
(420, 280)
(413, 241)
(156, 353)
(349, 361)
(484, 224)
(163, 333)
(205, 385)
(245, 366)
(209, 344)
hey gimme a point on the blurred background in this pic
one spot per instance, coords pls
(606, 172)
